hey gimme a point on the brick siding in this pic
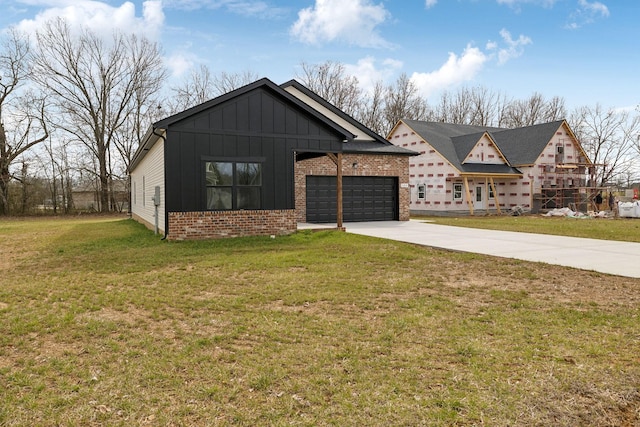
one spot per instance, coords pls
(220, 224)
(367, 165)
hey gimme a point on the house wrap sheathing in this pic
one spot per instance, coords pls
(463, 168)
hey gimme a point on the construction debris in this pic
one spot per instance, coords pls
(568, 213)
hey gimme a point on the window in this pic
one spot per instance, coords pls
(144, 192)
(134, 193)
(421, 191)
(457, 191)
(233, 185)
(491, 195)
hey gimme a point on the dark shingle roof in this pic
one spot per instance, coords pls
(375, 147)
(439, 135)
(489, 168)
(521, 146)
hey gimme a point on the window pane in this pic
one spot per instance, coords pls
(219, 198)
(249, 173)
(219, 173)
(457, 191)
(248, 197)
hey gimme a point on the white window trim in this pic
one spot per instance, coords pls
(456, 184)
(424, 191)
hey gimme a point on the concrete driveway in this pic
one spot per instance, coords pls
(605, 256)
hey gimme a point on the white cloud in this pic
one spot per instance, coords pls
(595, 8)
(514, 49)
(254, 8)
(101, 17)
(430, 3)
(178, 64)
(516, 3)
(456, 70)
(352, 21)
(587, 13)
(369, 74)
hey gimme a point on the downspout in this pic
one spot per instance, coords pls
(166, 225)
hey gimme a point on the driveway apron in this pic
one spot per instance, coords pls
(604, 256)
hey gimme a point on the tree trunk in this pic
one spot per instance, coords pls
(104, 181)
(25, 194)
(4, 190)
(4, 171)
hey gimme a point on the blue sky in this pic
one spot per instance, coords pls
(582, 50)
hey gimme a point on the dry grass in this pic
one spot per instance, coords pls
(101, 323)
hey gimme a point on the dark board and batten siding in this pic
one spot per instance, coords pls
(256, 126)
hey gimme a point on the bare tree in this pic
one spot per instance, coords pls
(403, 102)
(54, 172)
(461, 107)
(371, 110)
(202, 85)
(22, 121)
(555, 109)
(608, 136)
(195, 89)
(96, 85)
(486, 106)
(224, 82)
(534, 110)
(330, 81)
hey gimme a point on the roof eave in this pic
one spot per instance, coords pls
(490, 174)
(168, 121)
(329, 106)
(148, 141)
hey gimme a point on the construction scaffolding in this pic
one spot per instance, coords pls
(565, 185)
(580, 199)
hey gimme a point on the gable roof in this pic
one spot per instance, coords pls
(465, 143)
(157, 129)
(366, 140)
(375, 145)
(454, 142)
(263, 83)
(520, 146)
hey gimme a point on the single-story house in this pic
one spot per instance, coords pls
(464, 169)
(260, 159)
(86, 197)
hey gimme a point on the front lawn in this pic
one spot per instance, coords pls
(622, 229)
(102, 323)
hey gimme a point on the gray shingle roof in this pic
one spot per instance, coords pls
(488, 168)
(439, 135)
(375, 147)
(521, 146)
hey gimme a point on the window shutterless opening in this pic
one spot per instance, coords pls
(233, 185)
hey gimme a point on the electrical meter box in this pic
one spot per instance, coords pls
(156, 196)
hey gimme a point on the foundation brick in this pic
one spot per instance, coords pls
(221, 224)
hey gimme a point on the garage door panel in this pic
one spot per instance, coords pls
(363, 198)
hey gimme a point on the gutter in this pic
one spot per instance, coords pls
(166, 221)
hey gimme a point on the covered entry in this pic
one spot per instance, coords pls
(365, 198)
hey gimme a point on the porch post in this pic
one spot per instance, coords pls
(339, 191)
(495, 194)
(469, 200)
(337, 159)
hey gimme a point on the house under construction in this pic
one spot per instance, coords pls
(469, 169)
